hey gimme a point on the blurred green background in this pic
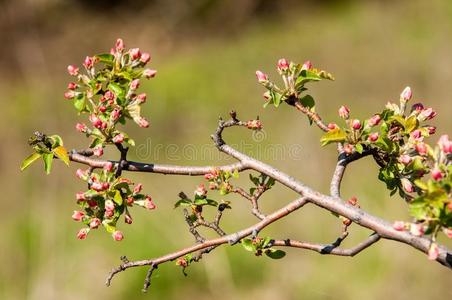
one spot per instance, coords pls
(206, 53)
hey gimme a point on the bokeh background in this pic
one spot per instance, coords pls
(206, 53)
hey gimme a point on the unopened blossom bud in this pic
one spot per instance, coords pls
(149, 73)
(449, 206)
(135, 53)
(344, 112)
(95, 121)
(373, 137)
(421, 148)
(348, 149)
(431, 130)
(117, 235)
(108, 214)
(346, 222)
(436, 174)
(102, 108)
(137, 189)
(399, 225)
(83, 233)
(98, 151)
(115, 114)
(141, 98)
(148, 203)
(95, 222)
(109, 205)
(417, 229)
(201, 191)
(119, 45)
(128, 219)
(406, 94)
(80, 174)
(145, 57)
(417, 108)
(89, 62)
(307, 65)
(81, 127)
(261, 77)
(72, 70)
(80, 196)
(105, 186)
(143, 123)
(135, 84)
(416, 135)
(211, 175)
(332, 126)
(97, 186)
(266, 95)
(356, 124)
(69, 94)
(445, 144)
(108, 166)
(130, 200)
(374, 121)
(433, 252)
(181, 262)
(72, 86)
(283, 65)
(448, 232)
(405, 159)
(118, 139)
(427, 114)
(77, 215)
(353, 201)
(92, 203)
(407, 185)
(254, 124)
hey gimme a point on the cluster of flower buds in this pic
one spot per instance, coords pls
(254, 124)
(107, 91)
(219, 180)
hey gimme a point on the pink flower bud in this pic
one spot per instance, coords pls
(416, 135)
(135, 84)
(211, 175)
(130, 201)
(105, 186)
(98, 151)
(344, 112)
(81, 127)
(431, 130)
(83, 233)
(80, 196)
(94, 224)
(332, 126)
(448, 232)
(427, 114)
(433, 252)
(92, 203)
(283, 65)
(141, 98)
(261, 77)
(108, 214)
(348, 149)
(417, 229)
(375, 120)
(145, 57)
(108, 166)
(72, 70)
(445, 144)
(407, 185)
(115, 114)
(148, 203)
(102, 108)
(109, 205)
(148, 73)
(406, 94)
(95, 121)
(128, 219)
(89, 62)
(135, 53)
(117, 235)
(77, 215)
(373, 137)
(399, 225)
(137, 189)
(307, 65)
(97, 186)
(143, 123)
(436, 174)
(405, 159)
(421, 148)
(69, 94)
(254, 124)
(119, 45)
(72, 86)
(118, 139)
(417, 108)
(449, 206)
(80, 174)
(356, 124)
(201, 191)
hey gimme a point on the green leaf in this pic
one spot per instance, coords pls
(105, 58)
(359, 148)
(411, 124)
(201, 201)
(110, 227)
(117, 89)
(333, 136)
(307, 101)
(277, 99)
(235, 174)
(118, 198)
(420, 184)
(29, 160)
(48, 159)
(212, 202)
(80, 102)
(275, 254)
(266, 241)
(61, 153)
(248, 245)
(56, 140)
(183, 202)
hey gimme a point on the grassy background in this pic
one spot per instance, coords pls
(206, 68)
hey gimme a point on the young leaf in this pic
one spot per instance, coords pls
(183, 202)
(332, 136)
(80, 102)
(275, 254)
(307, 101)
(200, 202)
(248, 245)
(118, 198)
(61, 153)
(48, 159)
(105, 58)
(29, 160)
